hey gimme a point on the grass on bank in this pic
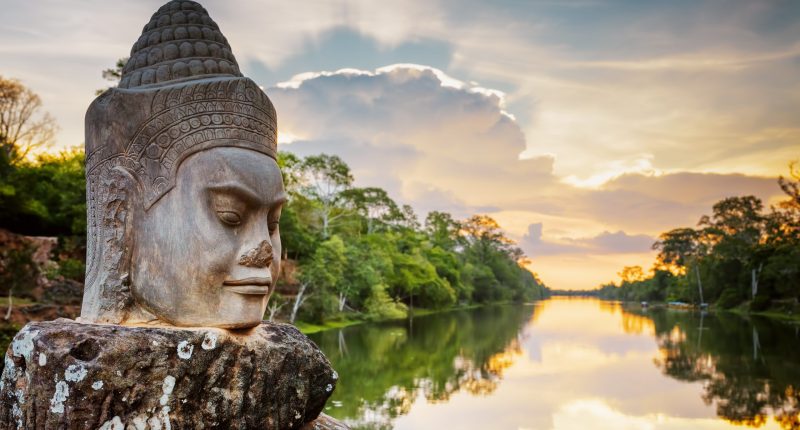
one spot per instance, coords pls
(16, 301)
(782, 310)
(308, 328)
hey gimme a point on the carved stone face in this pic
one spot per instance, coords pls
(208, 252)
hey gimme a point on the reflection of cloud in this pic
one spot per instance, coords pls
(595, 414)
(598, 415)
(594, 371)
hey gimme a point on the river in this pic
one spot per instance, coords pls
(567, 363)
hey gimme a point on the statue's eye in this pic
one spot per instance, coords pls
(230, 218)
(273, 226)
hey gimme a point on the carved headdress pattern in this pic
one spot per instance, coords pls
(181, 92)
(180, 42)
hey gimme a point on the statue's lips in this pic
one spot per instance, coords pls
(253, 286)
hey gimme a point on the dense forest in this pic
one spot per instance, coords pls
(741, 253)
(358, 250)
(349, 252)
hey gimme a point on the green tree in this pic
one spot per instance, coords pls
(323, 274)
(323, 179)
(681, 248)
(484, 236)
(735, 229)
(46, 197)
(374, 205)
(442, 229)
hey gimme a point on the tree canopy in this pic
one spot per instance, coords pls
(741, 252)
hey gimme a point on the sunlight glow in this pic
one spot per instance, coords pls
(286, 137)
(642, 165)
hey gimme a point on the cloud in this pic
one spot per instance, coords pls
(619, 242)
(657, 203)
(604, 243)
(702, 75)
(414, 130)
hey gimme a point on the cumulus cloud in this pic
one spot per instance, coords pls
(414, 130)
(445, 144)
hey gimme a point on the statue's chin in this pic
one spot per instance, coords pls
(240, 317)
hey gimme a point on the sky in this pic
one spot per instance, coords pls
(586, 128)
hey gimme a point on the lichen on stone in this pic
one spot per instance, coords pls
(23, 343)
(209, 341)
(59, 397)
(75, 373)
(185, 350)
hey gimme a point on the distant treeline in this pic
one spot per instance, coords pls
(740, 253)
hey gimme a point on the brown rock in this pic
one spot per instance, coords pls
(68, 375)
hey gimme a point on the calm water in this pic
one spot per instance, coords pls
(567, 364)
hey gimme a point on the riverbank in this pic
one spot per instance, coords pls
(780, 311)
(308, 328)
(784, 310)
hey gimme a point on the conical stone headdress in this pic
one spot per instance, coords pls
(180, 42)
(181, 92)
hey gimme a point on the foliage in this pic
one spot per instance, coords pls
(359, 252)
(22, 126)
(379, 306)
(740, 252)
(113, 74)
(17, 271)
(729, 299)
(760, 303)
(45, 197)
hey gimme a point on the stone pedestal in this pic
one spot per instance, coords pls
(67, 375)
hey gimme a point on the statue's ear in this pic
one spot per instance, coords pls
(112, 206)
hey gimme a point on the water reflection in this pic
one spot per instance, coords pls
(567, 364)
(749, 369)
(386, 367)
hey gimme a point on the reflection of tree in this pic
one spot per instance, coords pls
(388, 366)
(749, 368)
(636, 324)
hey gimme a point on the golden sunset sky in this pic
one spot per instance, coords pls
(585, 128)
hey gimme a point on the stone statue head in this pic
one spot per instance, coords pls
(183, 190)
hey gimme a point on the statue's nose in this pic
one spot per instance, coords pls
(258, 257)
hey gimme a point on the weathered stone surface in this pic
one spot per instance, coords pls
(68, 375)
